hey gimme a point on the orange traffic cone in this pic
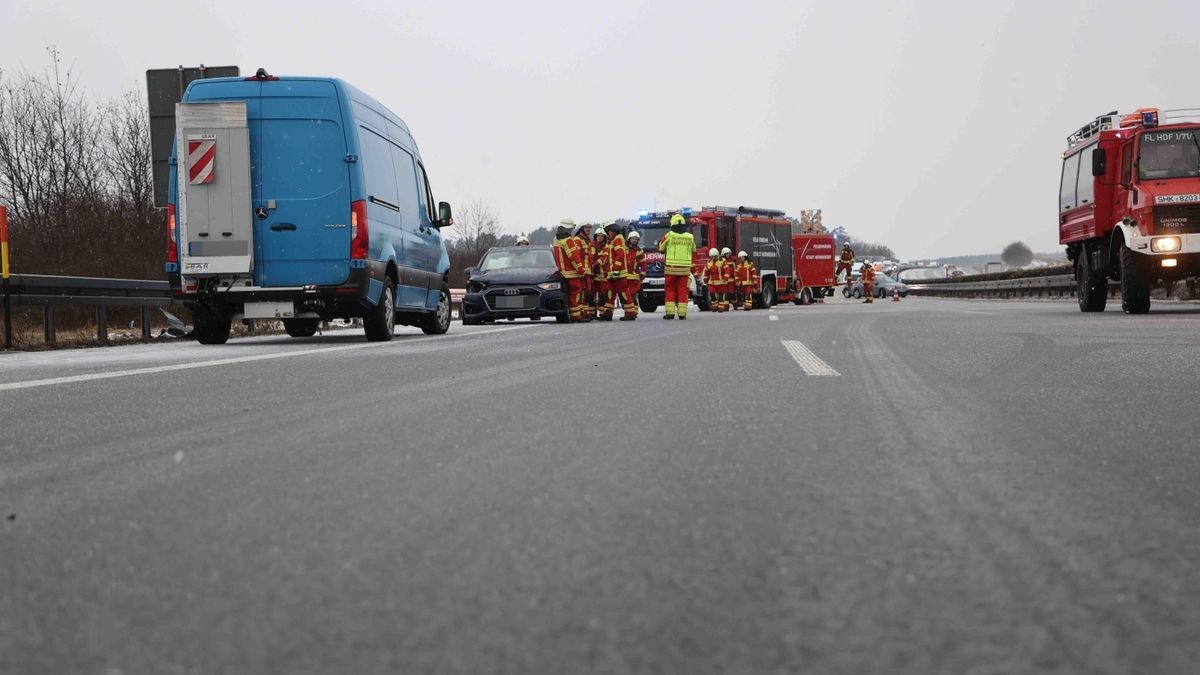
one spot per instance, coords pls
(895, 294)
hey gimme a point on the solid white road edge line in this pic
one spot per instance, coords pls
(70, 379)
(810, 362)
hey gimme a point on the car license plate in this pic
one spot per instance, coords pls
(510, 302)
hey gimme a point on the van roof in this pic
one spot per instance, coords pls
(352, 93)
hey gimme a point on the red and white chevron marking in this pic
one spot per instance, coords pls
(201, 159)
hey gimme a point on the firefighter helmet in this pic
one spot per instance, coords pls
(599, 232)
(742, 254)
(712, 253)
(568, 223)
(522, 240)
(579, 229)
(678, 223)
(726, 251)
(613, 229)
(633, 234)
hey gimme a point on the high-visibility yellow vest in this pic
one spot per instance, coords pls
(679, 247)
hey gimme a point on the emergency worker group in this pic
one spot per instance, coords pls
(604, 266)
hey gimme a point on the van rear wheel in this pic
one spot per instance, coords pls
(380, 324)
(211, 327)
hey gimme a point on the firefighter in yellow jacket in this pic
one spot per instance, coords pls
(678, 246)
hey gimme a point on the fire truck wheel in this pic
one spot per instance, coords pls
(767, 297)
(1092, 289)
(804, 297)
(1135, 287)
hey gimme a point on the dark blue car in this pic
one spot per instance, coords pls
(515, 282)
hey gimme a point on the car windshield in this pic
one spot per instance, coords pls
(507, 258)
(1169, 154)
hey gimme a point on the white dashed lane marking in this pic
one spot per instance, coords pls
(772, 317)
(810, 362)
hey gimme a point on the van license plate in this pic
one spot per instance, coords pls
(270, 310)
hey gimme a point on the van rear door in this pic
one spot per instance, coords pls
(301, 185)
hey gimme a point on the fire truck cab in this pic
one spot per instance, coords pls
(1129, 204)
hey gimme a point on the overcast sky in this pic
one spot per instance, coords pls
(932, 126)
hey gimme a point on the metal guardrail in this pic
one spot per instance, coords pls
(50, 292)
(1054, 284)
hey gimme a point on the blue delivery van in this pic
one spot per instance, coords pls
(302, 199)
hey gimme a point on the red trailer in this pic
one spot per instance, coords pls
(815, 266)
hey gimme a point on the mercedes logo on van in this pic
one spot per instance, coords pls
(260, 213)
(511, 291)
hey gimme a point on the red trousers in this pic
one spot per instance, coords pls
(843, 266)
(604, 295)
(628, 290)
(575, 297)
(677, 293)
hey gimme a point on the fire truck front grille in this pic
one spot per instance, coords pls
(1177, 219)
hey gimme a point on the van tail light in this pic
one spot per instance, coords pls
(359, 237)
(172, 243)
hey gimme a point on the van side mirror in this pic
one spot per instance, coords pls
(445, 217)
(1099, 162)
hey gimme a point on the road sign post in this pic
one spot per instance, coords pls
(4, 274)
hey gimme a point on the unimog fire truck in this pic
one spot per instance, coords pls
(764, 234)
(1129, 204)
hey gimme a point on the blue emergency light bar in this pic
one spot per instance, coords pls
(1150, 119)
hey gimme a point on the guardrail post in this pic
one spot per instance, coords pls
(145, 323)
(102, 321)
(48, 324)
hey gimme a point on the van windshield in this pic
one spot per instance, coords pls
(1169, 154)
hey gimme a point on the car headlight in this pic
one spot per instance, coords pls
(475, 287)
(550, 286)
(1164, 244)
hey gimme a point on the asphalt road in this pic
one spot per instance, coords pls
(930, 486)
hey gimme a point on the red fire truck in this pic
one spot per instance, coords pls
(764, 234)
(1129, 204)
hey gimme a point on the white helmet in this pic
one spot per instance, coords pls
(712, 253)
(522, 240)
(599, 232)
(741, 254)
(579, 227)
(633, 234)
(567, 223)
(726, 251)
